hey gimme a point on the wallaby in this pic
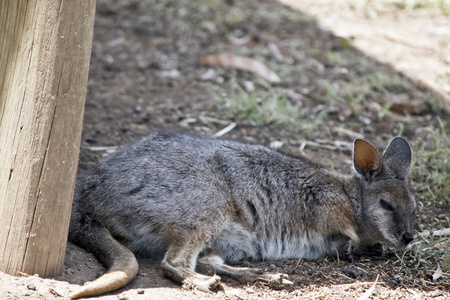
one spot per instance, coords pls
(190, 200)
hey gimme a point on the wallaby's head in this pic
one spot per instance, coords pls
(388, 206)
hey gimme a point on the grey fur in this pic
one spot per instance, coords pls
(180, 198)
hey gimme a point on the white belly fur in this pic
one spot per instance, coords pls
(294, 247)
(237, 243)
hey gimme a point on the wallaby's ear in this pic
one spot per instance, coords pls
(398, 157)
(366, 159)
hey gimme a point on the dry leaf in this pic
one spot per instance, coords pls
(241, 63)
(275, 49)
(438, 273)
(403, 106)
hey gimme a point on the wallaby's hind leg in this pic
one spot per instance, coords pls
(191, 228)
(242, 274)
(179, 264)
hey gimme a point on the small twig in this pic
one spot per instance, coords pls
(431, 192)
(187, 121)
(345, 276)
(225, 130)
(302, 146)
(358, 283)
(434, 244)
(326, 144)
(206, 120)
(328, 278)
(304, 143)
(100, 148)
(442, 125)
(370, 291)
(361, 269)
(296, 265)
(416, 295)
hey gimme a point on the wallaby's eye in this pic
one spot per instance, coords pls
(386, 205)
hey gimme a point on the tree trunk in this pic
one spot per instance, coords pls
(45, 48)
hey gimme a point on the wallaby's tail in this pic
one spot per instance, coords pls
(121, 262)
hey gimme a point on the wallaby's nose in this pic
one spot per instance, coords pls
(407, 238)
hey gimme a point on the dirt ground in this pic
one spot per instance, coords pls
(146, 74)
(411, 40)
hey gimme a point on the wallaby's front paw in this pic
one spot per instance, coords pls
(203, 283)
(351, 257)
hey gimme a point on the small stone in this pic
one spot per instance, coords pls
(31, 286)
(365, 121)
(349, 272)
(140, 291)
(393, 282)
(172, 74)
(276, 145)
(278, 280)
(56, 292)
(208, 75)
(249, 86)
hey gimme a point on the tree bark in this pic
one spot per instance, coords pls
(45, 48)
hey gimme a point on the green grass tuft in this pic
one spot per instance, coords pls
(274, 110)
(431, 168)
(431, 179)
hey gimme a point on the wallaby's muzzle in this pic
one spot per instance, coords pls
(407, 237)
